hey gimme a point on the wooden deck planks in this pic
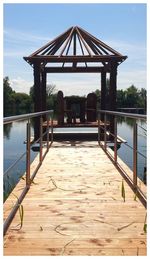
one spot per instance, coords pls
(74, 207)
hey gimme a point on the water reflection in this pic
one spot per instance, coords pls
(15, 135)
(130, 122)
(7, 130)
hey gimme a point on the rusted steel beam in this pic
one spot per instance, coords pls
(74, 48)
(70, 59)
(103, 93)
(82, 39)
(81, 48)
(43, 89)
(74, 69)
(69, 37)
(113, 93)
(48, 49)
(58, 45)
(101, 43)
(68, 49)
(97, 45)
(55, 48)
(50, 42)
(37, 98)
(93, 47)
(74, 45)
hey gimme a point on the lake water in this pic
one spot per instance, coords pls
(15, 135)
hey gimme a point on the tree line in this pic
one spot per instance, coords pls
(19, 103)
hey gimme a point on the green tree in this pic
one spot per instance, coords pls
(7, 93)
(22, 102)
(121, 101)
(131, 96)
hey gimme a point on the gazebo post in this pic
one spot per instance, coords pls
(113, 93)
(37, 98)
(44, 81)
(61, 55)
(103, 96)
(103, 92)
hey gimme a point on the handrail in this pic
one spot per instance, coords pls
(29, 177)
(118, 138)
(124, 114)
(132, 182)
(10, 119)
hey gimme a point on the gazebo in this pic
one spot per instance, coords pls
(75, 51)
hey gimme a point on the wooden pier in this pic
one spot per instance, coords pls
(74, 207)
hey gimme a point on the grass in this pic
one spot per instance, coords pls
(123, 194)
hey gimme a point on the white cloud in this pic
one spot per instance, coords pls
(14, 36)
(15, 54)
(21, 85)
(135, 77)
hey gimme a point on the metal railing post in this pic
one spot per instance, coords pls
(105, 136)
(47, 130)
(115, 139)
(52, 129)
(28, 136)
(135, 154)
(99, 127)
(41, 137)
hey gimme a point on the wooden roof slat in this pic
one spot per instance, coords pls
(47, 50)
(101, 43)
(85, 45)
(68, 49)
(69, 37)
(58, 45)
(57, 50)
(81, 48)
(49, 43)
(93, 46)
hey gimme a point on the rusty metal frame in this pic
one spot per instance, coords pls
(29, 177)
(97, 50)
(131, 181)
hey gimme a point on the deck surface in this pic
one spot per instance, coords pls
(74, 207)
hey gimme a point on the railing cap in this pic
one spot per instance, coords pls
(10, 119)
(123, 114)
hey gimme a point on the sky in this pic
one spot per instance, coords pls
(27, 27)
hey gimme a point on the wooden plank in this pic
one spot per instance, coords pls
(75, 207)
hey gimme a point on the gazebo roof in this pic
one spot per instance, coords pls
(73, 47)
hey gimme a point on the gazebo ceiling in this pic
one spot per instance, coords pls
(73, 47)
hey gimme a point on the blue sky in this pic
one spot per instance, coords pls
(29, 26)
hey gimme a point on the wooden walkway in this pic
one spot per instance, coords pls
(74, 207)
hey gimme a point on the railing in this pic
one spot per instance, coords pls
(29, 144)
(103, 135)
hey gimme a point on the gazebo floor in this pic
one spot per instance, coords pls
(77, 124)
(75, 207)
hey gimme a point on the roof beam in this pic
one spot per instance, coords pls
(100, 42)
(50, 42)
(69, 37)
(75, 69)
(70, 59)
(85, 45)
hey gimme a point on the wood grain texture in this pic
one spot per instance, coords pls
(74, 207)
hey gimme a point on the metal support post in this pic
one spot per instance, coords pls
(28, 134)
(105, 136)
(41, 137)
(135, 154)
(47, 130)
(99, 127)
(115, 139)
(52, 129)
